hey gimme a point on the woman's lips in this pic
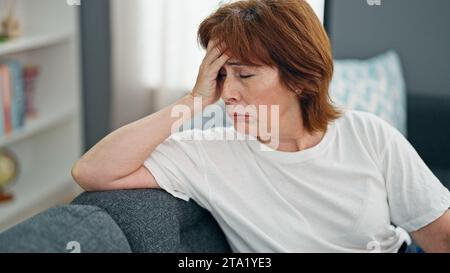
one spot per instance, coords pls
(241, 117)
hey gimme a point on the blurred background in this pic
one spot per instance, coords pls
(72, 71)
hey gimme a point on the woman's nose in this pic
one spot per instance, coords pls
(230, 91)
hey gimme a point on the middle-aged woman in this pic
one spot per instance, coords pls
(334, 181)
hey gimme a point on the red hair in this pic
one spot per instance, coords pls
(285, 34)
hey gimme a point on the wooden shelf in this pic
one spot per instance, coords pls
(31, 42)
(42, 122)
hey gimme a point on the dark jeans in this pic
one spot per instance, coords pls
(412, 248)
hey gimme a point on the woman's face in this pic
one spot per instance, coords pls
(252, 95)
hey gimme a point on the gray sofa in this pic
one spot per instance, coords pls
(119, 221)
(154, 221)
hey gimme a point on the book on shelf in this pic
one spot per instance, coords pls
(5, 95)
(14, 103)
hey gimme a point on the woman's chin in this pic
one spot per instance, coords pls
(245, 128)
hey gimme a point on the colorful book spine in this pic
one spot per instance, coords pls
(12, 97)
(1, 103)
(6, 94)
(17, 94)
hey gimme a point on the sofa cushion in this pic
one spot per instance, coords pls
(64, 229)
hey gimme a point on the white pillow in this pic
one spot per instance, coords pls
(375, 85)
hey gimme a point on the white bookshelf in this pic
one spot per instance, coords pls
(48, 145)
(30, 42)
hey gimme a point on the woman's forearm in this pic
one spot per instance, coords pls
(124, 151)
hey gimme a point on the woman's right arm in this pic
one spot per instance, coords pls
(116, 162)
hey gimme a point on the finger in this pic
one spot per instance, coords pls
(211, 44)
(218, 63)
(213, 54)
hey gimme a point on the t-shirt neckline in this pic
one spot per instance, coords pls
(300, 156)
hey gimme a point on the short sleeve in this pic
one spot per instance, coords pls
(178, 167)
(416, 196)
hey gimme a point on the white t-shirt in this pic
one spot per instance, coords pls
(343, 195)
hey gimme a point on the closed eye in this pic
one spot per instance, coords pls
(221, 76)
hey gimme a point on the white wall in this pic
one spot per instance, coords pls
(319, 7)
(131, 97)
(154, 47)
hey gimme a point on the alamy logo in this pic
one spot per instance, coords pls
(74, 247)
(374, 247)
(250, 121)
(374, 2)
(397, 233)
(73, 2)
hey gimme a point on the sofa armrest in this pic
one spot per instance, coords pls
(88, 229)
(429, 128)
(155, 221)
